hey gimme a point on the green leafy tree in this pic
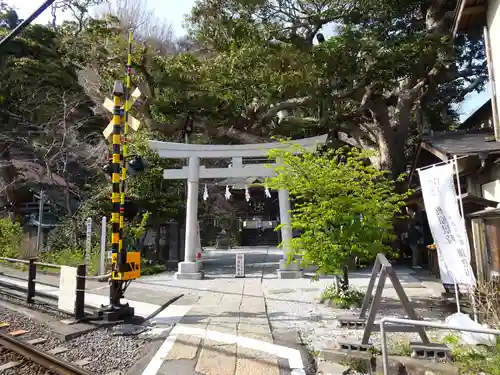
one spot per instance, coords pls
(387, 70)
(45, 112)
(343, 206)
(162, 198)
(10, 238)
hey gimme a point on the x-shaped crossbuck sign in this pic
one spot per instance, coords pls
(132, 121)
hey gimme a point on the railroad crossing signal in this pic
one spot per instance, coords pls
(132, 121)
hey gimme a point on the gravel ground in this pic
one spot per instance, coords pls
(107, 352)
(298, 308)
(39, 305)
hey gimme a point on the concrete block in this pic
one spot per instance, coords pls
(292, 266)
(66, 332)
(353, 346)
(189, 276)
(430, 351)
(352, 322)
(189, 267)
(290, 274)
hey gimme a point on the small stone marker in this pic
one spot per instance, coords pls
(19, 332)
(240, 265)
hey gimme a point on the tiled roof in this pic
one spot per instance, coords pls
(464, 143)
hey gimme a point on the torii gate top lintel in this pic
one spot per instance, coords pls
(174, 150)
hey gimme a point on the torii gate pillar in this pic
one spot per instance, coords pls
(191, 268)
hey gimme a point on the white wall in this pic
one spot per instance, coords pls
(493, 22)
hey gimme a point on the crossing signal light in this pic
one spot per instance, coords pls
(108, 168)
(137, 165)
(131, 209)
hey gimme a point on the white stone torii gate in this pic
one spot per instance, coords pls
(190, 268)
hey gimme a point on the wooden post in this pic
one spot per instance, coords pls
(369, 290)
(81, 272)
(31, 281)
(491, 76)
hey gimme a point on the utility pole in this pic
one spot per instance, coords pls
(125, 265)
(26, 23)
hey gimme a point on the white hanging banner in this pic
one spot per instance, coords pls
(446, 224)
(205, 193)
(247, 194)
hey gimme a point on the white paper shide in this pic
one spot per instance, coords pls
(447, 225)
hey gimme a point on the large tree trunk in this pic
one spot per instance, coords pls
(392, 154)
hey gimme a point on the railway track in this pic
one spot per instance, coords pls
(47, 360)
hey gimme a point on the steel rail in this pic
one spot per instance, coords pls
(40, 357)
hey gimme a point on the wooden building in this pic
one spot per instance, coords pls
(479, 174)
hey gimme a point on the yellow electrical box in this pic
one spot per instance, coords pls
(133, 266)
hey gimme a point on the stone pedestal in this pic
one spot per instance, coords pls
(290, 271)
(189, 271)
(223, 242)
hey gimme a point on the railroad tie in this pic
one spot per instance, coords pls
(83, 362)
(58, 350)
(37, 341)
(18, 332)
(9, 365)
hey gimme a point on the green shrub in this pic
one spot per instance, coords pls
(474, 359)
(151, 268)
(72, 257)
(342, 298)
(10, 238)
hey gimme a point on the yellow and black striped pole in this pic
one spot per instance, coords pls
(116, 169)
(122, 258)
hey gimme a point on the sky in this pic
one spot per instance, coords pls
(174, 11)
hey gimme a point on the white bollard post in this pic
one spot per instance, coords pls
(102, 260)
(88, 242)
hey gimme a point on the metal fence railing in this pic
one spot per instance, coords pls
(420, 323)
(31, 290)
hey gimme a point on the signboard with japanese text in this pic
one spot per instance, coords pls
(240, 265)
(447, 225)
(88, 240)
